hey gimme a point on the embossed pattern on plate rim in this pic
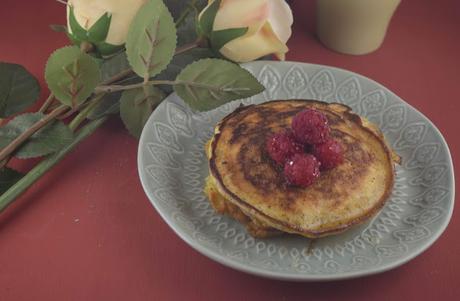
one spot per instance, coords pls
(229, 258)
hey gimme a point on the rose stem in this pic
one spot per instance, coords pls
(41, 168)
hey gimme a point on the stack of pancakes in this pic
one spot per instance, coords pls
(247, 185)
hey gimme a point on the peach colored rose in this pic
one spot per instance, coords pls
(269, 28)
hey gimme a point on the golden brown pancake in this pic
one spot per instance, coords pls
(246, 184)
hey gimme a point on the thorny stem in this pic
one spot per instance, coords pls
(45, 165)
(10, 148)
(86, 47)
(187, 47)
(59, 112)
(127, 72)
(6, 153)
(62, 111)
(73, 110)
(118, 76)
(116, 88)
(42, 109)
(47, 103)
(4, 162)
(73, 125)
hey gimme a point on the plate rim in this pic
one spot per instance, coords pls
(305, 277)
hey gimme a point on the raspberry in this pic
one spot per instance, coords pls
(302, 170)
(282, 146)
(329, 153)
(310, 127)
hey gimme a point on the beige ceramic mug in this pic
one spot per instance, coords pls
(354, 26)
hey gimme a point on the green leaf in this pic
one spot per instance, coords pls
(185, 15)
(136, 108)
(110, 104)
(177, 7)
(72, 75)
(179, 62)
(186, 30)
(151, 39)
(47, 163)
(209, 83)
(98, 32)
(47, 140)
(114, 65)
(8, 177)
(221, 37)
(18, 89)
(207, 18)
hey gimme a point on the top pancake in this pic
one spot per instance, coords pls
(340, 198)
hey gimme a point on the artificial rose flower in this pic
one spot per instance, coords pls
(269, 28)
(87, 12)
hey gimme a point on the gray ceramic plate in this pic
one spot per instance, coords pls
(173, 167)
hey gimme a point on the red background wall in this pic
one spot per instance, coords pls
(86, 231)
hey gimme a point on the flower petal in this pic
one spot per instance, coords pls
(87, 12)
(249, 48)
(242, 13)
(281, 19)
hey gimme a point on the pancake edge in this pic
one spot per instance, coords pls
(253, 212)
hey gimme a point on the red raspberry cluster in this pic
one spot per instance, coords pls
(310, 130)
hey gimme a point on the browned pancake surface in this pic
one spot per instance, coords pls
(341, 197)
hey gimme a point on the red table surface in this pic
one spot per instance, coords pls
(86, 231)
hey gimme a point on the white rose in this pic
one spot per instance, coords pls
(87, 12)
